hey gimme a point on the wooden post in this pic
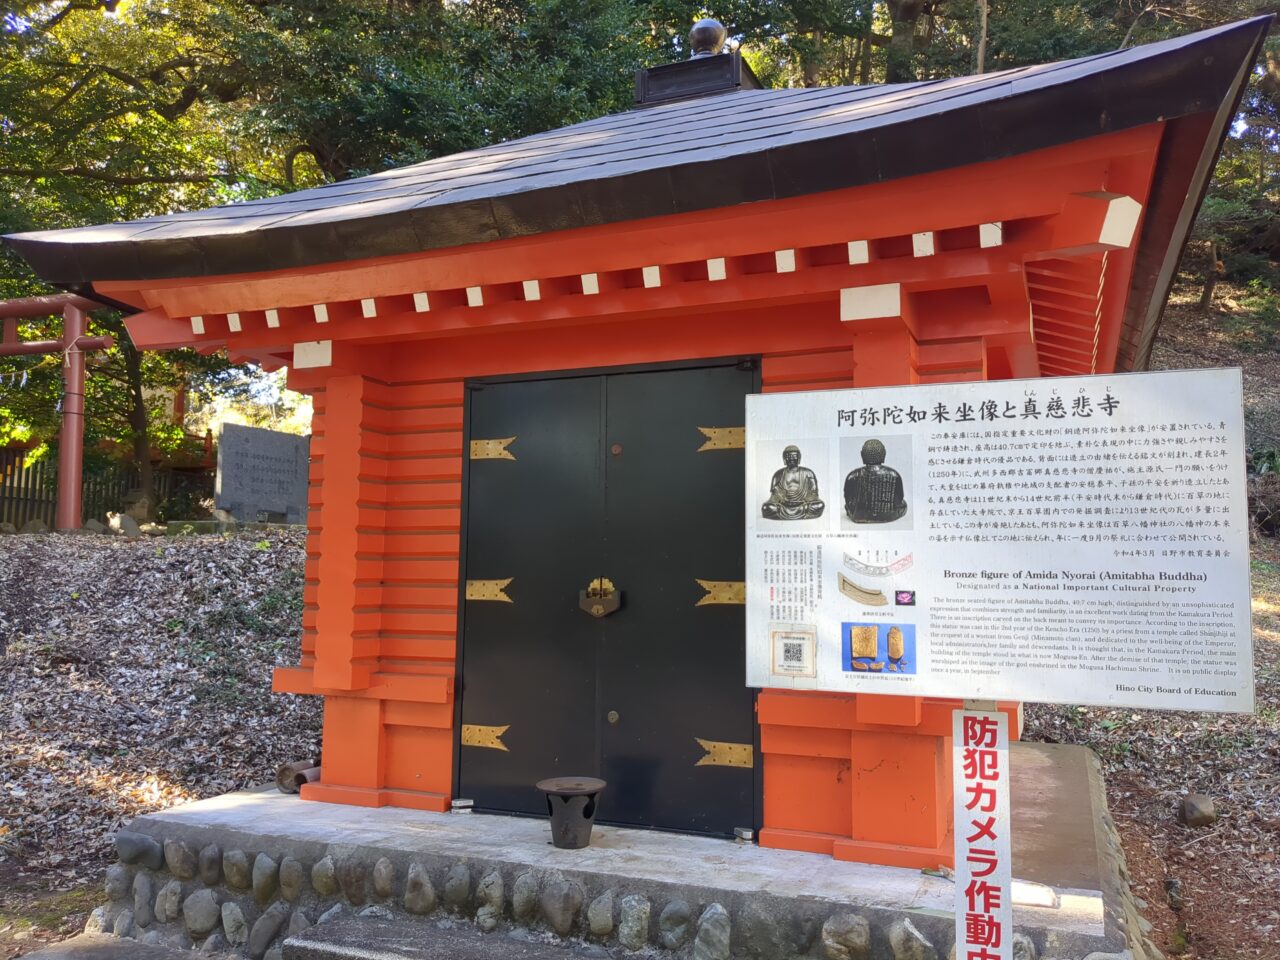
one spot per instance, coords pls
(71, 437)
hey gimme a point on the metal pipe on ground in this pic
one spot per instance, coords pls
(287, 776)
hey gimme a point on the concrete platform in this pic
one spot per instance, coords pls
(1071, 895)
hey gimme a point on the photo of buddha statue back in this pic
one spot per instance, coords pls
(874, 492)
(793, 491)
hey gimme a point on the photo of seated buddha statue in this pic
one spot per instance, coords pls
(793, 492)
(873, 492)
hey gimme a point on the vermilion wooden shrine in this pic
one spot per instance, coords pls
(477, 332)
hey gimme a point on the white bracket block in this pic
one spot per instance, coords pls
(715, 269)
(590, 283)
(309, 354)
(197, 326)
(421, 302)
(990, 234)
(321, 311)
(652, 277)
(273, 319)
(784, 261)
(368, 308)
(871, 303)
(922, 244)
(233, 322)
(475, 297)
(859, 252)
(1121, 222)
(532, 290)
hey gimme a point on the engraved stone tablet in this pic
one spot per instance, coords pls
(262, 474)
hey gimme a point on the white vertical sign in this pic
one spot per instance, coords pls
(984, 879)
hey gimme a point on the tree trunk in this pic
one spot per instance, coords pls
(900, 61)
(899, 66)
(138, 424)
(982, 35)
(813, 62)
(1210, 278)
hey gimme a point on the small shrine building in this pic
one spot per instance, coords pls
(529, 364)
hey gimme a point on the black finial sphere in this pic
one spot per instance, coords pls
(707, 37)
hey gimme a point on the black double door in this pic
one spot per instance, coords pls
(608, 483)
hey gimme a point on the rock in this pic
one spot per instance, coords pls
(152, 938)
(34, 525)
(633, 922)
(7, 527)
(95, 526)
(234, 924)
(384, 878)
(1023, 947)
(200, 912)
(487, 918)
(333, 913)
(419, 894)
(235, 867)
(99, 921)
(846, 936)
(298, 922)
(140, 849)
(119, 882)
(908, 943)
(142, 914)
(169, 902)
(353, 877)
(489, 892)
(180, 859)
(123, 927)
(265, 929)
(124, 525)
(378, 912)
(560, 901)
(1198, 810)
(764, 932)
(457, 886)
(673, 924)
(1173, 893)
(215, 943)
(524, 896)
(275, 953)
(266, 875)
(293, 878)
(712, 939)
(324, 878)
(210, 865)
(600, 915)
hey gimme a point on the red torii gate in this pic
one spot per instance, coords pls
(73, 345)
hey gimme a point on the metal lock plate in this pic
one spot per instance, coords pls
(600, 598)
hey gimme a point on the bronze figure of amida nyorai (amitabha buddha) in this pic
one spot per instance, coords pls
(873, 492)
(793, 492)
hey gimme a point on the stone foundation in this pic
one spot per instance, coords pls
(243, 873)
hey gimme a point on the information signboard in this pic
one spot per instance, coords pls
(1074, 540)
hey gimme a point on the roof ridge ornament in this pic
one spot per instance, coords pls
(707, 38)
(712, 68)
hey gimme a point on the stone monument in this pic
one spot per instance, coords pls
(262, 474)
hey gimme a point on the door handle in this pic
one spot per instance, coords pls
(600, 598)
